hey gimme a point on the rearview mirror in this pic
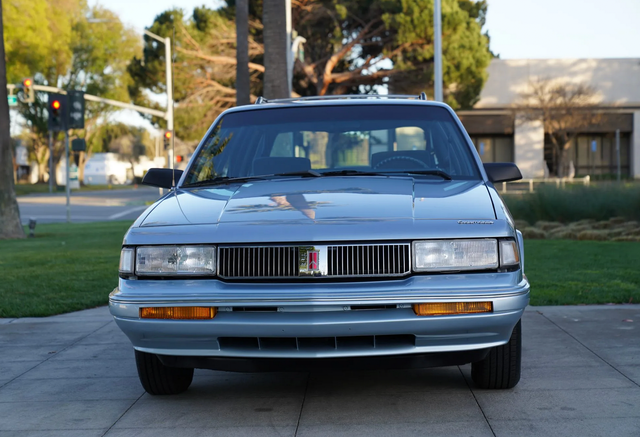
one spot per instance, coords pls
(502, 171)
(161, 177)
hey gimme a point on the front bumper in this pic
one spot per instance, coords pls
(302, 311)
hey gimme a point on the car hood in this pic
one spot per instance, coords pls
(313, 200)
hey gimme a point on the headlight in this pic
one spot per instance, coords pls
(455, 255)
(175, 260)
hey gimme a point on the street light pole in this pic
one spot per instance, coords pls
(437, 46)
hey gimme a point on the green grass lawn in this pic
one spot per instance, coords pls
(568, 272)
(73, 267)
(67, 267)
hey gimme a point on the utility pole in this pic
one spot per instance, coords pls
(67, 184)
(276, 35)
(50, 162)
(437, 46)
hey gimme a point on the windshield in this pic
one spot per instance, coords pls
(421, 141)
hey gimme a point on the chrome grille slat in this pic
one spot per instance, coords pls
(343, 260)
(368, 260)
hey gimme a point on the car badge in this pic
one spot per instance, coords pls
(313, 263)
(475, 222)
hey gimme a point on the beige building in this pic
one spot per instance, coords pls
(499, 134)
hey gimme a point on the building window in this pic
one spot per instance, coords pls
(591, 154)
(498, 148)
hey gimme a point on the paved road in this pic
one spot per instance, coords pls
(74, 375)
(87, 206)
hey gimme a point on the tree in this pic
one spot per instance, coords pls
(353, 46)
(565, 109)
(356, 46)
(62, 48)
(10, 225)
(204, 68)
(274, 17)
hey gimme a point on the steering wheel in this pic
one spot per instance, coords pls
(395, 162)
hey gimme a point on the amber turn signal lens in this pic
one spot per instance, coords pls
(450, 308)
(178, 313)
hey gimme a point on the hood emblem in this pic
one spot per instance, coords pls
(312, 261)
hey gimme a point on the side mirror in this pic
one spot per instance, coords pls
(502, 171)
(161, 177)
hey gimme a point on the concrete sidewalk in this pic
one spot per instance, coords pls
(74, 375)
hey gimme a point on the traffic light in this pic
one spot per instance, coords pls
(76, 109)
(167, 139)
(58, 110)
(28, 93)
(179, 158)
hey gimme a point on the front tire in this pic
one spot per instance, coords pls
(501, 368)
(158, 379)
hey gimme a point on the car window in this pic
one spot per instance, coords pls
(381, 138)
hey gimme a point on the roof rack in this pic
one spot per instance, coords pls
(422, 96)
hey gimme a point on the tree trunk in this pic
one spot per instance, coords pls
(274, 20)
(561, 162)
(82, 162)
(10, 225)
(42, 159)
(243, 92)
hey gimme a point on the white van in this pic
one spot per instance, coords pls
(107, 168)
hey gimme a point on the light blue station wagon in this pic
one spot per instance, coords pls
(310, 233)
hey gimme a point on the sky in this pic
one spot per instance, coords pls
(519, 29)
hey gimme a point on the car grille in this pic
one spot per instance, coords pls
(368, 260)
(341, 261)
(258, 262)
(316, 344)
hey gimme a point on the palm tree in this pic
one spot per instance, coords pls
(10, 226)
(243, 93)
(274, 20)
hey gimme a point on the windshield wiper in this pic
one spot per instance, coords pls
(442, 174)
(221, 180)
(351, 173)
(311, 173)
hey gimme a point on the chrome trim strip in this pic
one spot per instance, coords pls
(263, 300)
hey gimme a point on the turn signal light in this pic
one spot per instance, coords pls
(178, 313)
(450, 308)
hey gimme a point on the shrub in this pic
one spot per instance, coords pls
(578, 228)
(566, 233)
(602, 225)
(617, 220)
(547, 226)
(627, 238)
(596, 202)
(593, 235)
(583, 222)
(534, 233)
